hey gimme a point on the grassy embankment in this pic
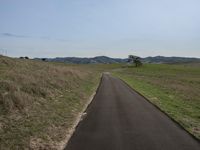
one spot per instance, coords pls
(173, 88)
(39, 100)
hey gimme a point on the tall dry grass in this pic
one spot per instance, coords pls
(39, 100)
(25, 81)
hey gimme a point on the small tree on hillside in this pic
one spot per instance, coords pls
(135, 59)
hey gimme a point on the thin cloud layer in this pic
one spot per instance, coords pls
(14, 35)
(26, 36)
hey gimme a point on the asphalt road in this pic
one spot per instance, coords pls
(120, 119)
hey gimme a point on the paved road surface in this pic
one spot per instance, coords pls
(120, 119)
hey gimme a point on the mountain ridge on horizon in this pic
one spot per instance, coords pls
(108, 60)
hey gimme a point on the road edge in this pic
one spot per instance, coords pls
(79, 118)
(176, 122)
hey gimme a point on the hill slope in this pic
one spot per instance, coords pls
(39, 100)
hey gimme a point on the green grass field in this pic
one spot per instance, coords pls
(173, 88)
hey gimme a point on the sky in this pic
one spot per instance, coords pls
(87, 28)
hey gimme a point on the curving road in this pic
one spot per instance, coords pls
(120, 119)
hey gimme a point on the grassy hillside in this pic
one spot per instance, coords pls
(174, 88)
(39, 100)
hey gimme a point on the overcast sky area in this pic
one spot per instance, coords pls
(86, 28)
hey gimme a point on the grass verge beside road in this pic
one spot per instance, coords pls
(175, 89)
(39, 101)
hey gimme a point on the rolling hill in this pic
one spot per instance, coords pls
(108, 60)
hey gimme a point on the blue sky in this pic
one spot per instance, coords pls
(86, 28)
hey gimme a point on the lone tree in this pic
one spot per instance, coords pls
(44, 59)
(135, 59)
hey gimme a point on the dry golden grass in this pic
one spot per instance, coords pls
(39, 101)
(23, 81)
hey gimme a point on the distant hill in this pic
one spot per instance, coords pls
(108, 60)
(162, 59)
(94, 60)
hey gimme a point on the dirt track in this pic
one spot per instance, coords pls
(120, 119)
